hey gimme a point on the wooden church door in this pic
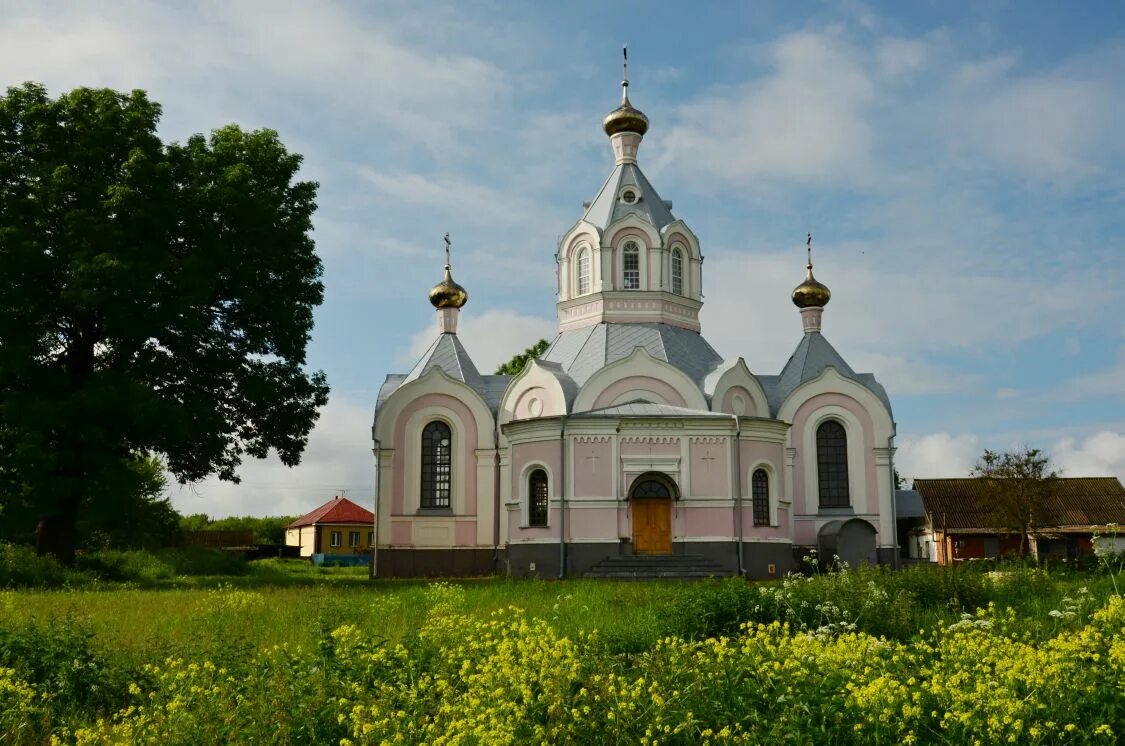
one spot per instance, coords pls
(652, 517)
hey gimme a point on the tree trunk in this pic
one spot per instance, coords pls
(57, 534)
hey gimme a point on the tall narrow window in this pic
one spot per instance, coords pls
(677, 272)
(760, 495)
(832, 465)
(537, 498)
(631, 264)
(436, 465)
(583, 271)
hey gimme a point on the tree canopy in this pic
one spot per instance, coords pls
(1018, 484)
(518, 361)
(154, 299)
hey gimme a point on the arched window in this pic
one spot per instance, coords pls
(631, 267)
(437, 465)
(651, 488)
(760, 495)
(583, 271)
(537, 498)
(677, 272)
(832, 465)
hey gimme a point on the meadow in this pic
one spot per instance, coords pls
(138, 648)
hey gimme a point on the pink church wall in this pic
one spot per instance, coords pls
(455, 409)
(593, 467)
(800, 420)
(708, 521)
(804, 533)
(643, 383)
(755, 453)
(517, 532)
(710, 469)
(750, 531)
(544, 452)
(465, 533)
(401, 532)
(592, 523)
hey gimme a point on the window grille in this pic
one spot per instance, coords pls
(677, 272)
(436, 465)
(631, 263)
(538, 498)
(651, 488)
(584, 272)
(760, 496)
(832, 465)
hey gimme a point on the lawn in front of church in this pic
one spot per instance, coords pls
(284, 653)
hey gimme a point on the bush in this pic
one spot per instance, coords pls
(20, 567)
(165, 564)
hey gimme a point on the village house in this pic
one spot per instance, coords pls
(337, 528)
(956, 523)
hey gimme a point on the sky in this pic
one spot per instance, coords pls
(960, 165)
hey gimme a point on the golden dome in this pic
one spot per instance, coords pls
(447, 293)
(625, 118)
(810, 293)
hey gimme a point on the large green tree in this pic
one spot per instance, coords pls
(154, 299)
(1017, 487)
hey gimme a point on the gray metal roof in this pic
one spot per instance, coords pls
(449, 354)
(583, 352)
(908, 504)
(607, 208)
(813, 354)
(640, 408)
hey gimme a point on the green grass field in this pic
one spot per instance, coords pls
(279, 651)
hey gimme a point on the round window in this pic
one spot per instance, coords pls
(629, 196)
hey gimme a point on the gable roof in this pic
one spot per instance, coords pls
(336, 510)
(583, 352)
(814, 353)
(449, 354)
(606, 209)
(962, 504)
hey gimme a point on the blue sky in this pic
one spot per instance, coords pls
(959, 164)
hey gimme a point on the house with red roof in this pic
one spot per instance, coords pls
(338, 527)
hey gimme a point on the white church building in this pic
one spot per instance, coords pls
(631, 440)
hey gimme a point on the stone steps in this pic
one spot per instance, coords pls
(654, 567)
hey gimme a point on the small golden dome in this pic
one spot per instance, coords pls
(625, 118)
(447, 293)
(810, 293)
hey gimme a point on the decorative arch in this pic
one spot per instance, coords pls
(732, 381)
(833, 485)
(436, 480)
(677, 271)
(535, 498)
(653, 485)
(638, 365)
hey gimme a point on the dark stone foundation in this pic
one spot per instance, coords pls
(433, 563)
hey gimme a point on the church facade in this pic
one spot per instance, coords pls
(630, 435)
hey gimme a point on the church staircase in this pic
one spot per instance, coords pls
(656, 567)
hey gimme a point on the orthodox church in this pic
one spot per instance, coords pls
(630, 440)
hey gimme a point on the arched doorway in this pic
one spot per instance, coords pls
(651, 502)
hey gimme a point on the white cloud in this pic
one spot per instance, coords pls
(338, 458)
(1099, 455)
(1043, 127)
(899, 57)
(936, 455)
(805, 123)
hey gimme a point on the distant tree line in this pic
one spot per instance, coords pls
(267, 530)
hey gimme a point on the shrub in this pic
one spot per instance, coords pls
(20, 567)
